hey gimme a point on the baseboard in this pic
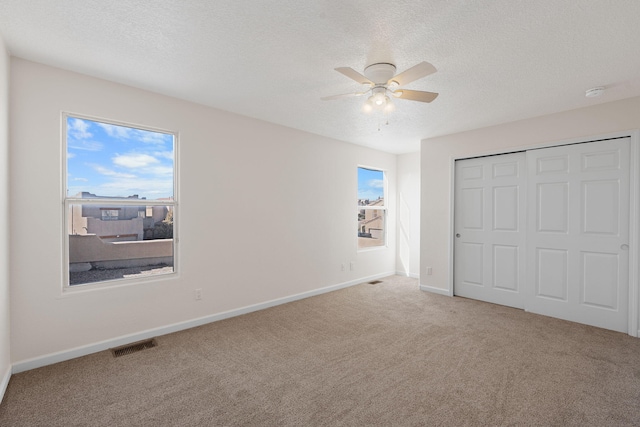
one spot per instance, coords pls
(4, 382)
(435, 290)
(404, 273)
(61, 356)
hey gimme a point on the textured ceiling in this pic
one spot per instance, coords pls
(498, 61)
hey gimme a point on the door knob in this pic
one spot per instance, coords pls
(624, 247)
(457, 234)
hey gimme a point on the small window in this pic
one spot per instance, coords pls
(109, 214)
(372, 211)
(119, 204)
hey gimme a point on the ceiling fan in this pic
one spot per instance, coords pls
(379, 81)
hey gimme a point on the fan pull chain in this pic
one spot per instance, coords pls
(386, 124)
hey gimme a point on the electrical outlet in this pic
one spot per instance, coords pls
(352, 265)
(342, 267)
(429, 271)
(198, 294)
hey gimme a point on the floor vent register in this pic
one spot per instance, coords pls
(133, 348)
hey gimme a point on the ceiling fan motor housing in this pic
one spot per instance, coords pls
(380, 73)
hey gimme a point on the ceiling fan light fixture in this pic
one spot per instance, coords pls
(389, 106)
(379, 97)
(367, 107)
(397, 93)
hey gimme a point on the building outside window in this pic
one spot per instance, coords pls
(372, 210)
(119, 203)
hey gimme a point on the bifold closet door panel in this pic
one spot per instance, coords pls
(578, 233)
(490, 226)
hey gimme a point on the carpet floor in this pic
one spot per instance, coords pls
(385, 354)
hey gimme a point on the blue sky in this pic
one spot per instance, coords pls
(370, 184)
(118, 161)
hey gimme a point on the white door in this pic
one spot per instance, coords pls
(561, 249)
(578, 233)
(490, 227)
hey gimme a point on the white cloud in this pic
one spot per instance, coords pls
(376, 183)
(115, 131)
(86, 145)
(108, 172)
(81, 179)
(153, 137)
(140, 135)
(164, 154)
(159, 170)
(134, 160)
(78, 136)
(79, 129)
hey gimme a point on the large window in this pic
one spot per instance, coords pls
(372, 211)
(119, 202)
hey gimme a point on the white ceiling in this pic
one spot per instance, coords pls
(497, 60)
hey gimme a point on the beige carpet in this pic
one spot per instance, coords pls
(385, 354)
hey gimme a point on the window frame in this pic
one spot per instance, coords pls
(116, 203)
(384, 208)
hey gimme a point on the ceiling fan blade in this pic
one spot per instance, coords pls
(354, 75)
(415, 95)
(344, 95)
(416, 72)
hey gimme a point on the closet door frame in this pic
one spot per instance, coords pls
(634, 210)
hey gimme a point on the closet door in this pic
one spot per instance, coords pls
(578, 233)
(490, 226)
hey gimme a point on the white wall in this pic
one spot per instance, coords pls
(408, 224)
(5, 360)
(233, 170)
(436, 168)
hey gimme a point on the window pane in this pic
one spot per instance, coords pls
(116, 161)
(110, 239)
(370, 187)
(371, 208)
(371, 227)
(128, 244)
